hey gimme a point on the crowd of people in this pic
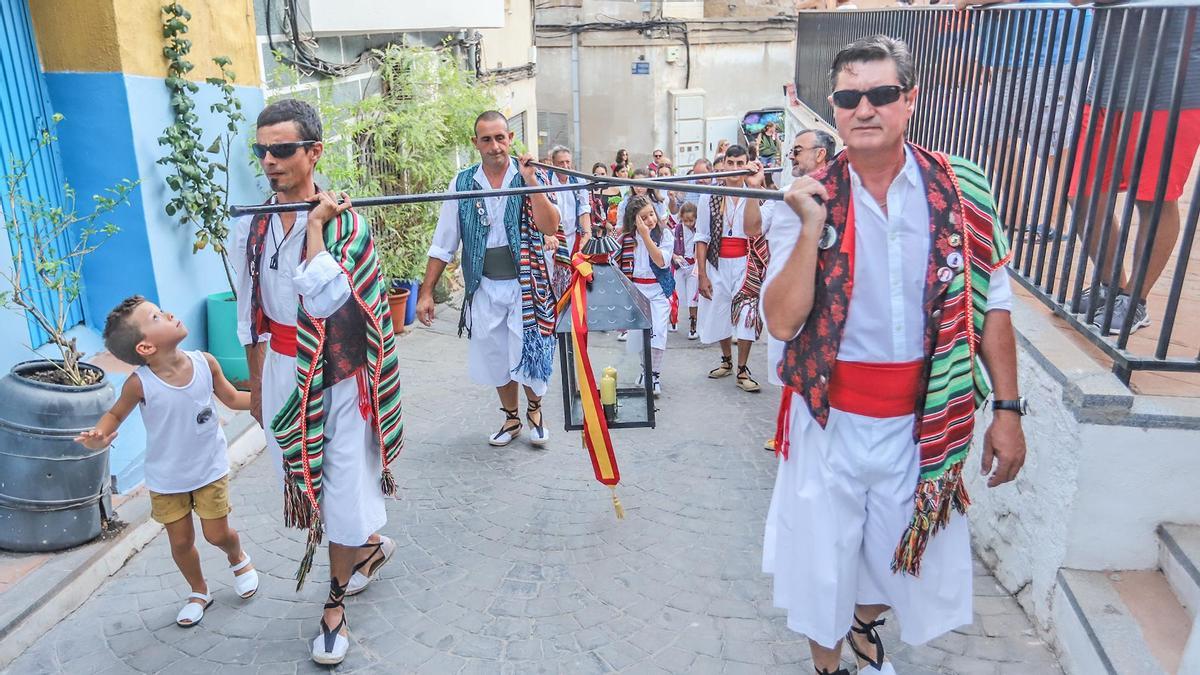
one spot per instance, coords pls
(880, 386)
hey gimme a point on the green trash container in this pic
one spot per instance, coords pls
(223, 341)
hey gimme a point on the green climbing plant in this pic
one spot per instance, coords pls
(199, 177)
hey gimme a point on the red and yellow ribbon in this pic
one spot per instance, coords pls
(595, 426)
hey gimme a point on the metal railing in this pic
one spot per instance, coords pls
(1037, 95)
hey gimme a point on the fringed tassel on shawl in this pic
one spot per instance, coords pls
(462, 318)
(934, 499)
(387, 483)
(537, 354)
(297, 509)
(315, 534)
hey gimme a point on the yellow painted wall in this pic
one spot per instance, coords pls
(126, 36)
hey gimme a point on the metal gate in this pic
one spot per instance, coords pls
(24, 115)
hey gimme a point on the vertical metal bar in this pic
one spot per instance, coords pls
(981, 86)
(1093, 196)
(1072, 26)
(1118, 165)
(996, 93)
(1019, 139)
(1038, 149)
(967, 66)
(1092, 55)
(1164, 170)
(1011, 147)
(1180, 274)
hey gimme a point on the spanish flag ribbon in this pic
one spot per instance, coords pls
(595, 426)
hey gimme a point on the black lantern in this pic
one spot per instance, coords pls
(613, 306)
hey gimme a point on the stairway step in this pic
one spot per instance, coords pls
(1119, 622)
(1179, 558)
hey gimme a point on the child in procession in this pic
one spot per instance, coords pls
(684, 257)
(646, 246)
(187, 468)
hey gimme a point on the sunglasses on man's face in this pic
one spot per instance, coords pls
(799, 149)
(279, 150)
(658, 155)
(848, 99)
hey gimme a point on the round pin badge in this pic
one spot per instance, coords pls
(955, 239)
(828, 238)
(955, 260)
(945, 274)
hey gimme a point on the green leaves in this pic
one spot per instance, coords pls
(199, 183)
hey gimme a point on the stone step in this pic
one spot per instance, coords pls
(1179, 558)
(1119, 623)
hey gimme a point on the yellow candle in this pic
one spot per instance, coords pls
(608, 390)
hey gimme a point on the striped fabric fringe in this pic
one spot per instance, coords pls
(748, 295)
(538, 315)
(302, 436)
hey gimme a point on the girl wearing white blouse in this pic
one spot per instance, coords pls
(646, 247)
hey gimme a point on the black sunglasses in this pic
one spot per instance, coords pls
(280, 150)
(849, 99)
(799, 149)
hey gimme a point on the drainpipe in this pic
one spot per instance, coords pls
(575, 97)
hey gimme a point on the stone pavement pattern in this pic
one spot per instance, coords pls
(511, 560)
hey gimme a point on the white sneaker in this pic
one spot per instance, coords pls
(693, 335)
(674, 328)
(622, 336)
(657, 386)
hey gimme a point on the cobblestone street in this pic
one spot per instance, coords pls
(511, 559)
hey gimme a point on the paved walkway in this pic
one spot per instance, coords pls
(511, 560)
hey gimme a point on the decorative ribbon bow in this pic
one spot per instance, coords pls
(595, 425)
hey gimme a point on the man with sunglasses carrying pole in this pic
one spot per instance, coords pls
(895, 284)
(313, 315)
(731, 258)
(508, 309)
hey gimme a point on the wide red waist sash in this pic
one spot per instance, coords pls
(283, 338)
(734, 247)
(876, 389)
(644, 280)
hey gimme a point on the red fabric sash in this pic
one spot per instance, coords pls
(283, 338)
(876, 389)
(734, 247)
(643, 280)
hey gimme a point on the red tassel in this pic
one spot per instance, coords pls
(783, 423)
(364, 393)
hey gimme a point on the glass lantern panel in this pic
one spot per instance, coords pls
(626, 358)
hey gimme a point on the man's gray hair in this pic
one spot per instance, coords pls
(876, 48)
(558, 149)
(823, 139)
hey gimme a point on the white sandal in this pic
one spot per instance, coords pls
(245, 585)
(192, 612)
(361, 577)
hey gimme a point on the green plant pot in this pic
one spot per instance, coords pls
(223, 342)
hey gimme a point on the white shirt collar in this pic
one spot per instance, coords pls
(911, 173)
(481, 178)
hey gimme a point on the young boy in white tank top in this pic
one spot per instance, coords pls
(187, 468)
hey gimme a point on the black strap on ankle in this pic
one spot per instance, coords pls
(868, 629)
(337, 596)
(510, 414)
(365, 561)
(534, 406)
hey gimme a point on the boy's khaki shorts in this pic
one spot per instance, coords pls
(210, 502)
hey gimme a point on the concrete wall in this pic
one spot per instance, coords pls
(620, 110)
(509, 47)
(1104, 468)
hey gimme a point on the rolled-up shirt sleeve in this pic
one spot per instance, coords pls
(703, 222)
(322, 285)
(1000, 295)
(241, 233)
(445, 235)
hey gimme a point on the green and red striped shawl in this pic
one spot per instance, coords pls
(365, 319)
(962, 219)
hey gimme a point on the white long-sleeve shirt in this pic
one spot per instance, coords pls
(641, 255)
(320, 282)
(571, 205)
(886, 319)
(447, 237)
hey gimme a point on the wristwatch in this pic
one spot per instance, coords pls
(1017, 405)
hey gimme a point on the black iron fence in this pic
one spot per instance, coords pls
(1087, 121)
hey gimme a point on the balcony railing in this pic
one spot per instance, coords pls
(1093, 198)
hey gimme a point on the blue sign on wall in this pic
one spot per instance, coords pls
(640, 68)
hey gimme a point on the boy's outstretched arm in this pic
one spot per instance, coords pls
(224, 389)
(102, 435)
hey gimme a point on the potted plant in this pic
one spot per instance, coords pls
(199, 180)
(51, 486)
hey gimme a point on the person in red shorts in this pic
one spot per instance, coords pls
(1115, 71)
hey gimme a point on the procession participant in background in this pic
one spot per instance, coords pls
(574, 221)
(508, 309)
(604, 203)
(731, 258)
(657, 160)
(684, 257)
(621, 166)
(811, 150)
(646, 246)
(699, 166)
(882, 376)
(314, 317)
(656, 199)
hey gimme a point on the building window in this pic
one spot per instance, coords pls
(516, 124)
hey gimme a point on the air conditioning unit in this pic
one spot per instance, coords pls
(687, 126)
